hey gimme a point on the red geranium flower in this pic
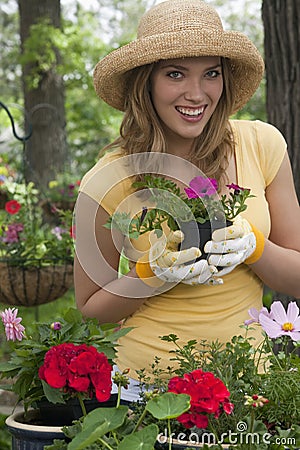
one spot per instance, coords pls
(78, 368)
(208, 393)
(12, 207)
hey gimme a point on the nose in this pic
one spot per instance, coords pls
(194, 91)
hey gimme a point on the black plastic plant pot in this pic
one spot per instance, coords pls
(198, 234)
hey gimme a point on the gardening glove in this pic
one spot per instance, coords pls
(169, 264)
(233, 245)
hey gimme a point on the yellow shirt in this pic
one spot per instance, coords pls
(198, 312)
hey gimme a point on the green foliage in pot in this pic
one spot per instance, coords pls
(32, 345)
(167, 204)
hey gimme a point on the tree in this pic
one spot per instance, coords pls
(44, 97)
(282, 42)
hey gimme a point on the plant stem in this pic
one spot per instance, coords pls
(139, 422)
(105, 444)
(170, 434)
(119, 396)
(83, 408)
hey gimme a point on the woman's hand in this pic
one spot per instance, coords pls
(171, 265)
(233, 245)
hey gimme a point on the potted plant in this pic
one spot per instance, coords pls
(197, 212)
(236, 395)
(72, 354)
(36, 258)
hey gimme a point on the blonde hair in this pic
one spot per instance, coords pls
(141, 130)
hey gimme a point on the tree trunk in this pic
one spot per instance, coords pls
(281, 20)
(46, 151)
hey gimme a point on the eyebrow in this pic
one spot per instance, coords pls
(178, 67)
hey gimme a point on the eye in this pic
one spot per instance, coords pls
(175, 74)
(213, 74)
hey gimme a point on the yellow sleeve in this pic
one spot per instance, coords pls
(107, 182)
(272, 148)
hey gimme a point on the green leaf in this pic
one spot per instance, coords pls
(96, 424)
(52, 394)
(141, 440)
(168, 405)
(73, 316)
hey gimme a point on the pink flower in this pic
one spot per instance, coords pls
(200, 187)
(12, 324)
(254, 314)
(58, 231)
(282, 322)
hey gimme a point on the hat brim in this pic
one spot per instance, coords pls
(112, 72)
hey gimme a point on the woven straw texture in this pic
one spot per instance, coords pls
(177, 29)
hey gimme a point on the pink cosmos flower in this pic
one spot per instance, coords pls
(254, 314)
(282, 322)
(12, 324)
(200, 187)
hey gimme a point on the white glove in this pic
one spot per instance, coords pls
(169, 264)
(231, 246)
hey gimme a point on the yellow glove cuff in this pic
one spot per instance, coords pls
(145, 273)
(260, 245)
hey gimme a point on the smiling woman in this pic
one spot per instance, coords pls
(186, 93)
(179, 83)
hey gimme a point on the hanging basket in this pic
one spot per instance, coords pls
(32, 283)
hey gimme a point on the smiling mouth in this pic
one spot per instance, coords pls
(190, 112)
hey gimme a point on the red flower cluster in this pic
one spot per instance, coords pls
(209, 395)
(79, 368)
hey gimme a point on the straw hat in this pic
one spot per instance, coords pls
(177, 29)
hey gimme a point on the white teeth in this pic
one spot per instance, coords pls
(190, 112)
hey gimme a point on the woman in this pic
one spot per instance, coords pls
(178, 84)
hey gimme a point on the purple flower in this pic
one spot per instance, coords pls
(58, 231)
(56, 326)
(235, 187)
(200, 187)
(254, 314)
(12, 233)
(282, 322)
(12, 324)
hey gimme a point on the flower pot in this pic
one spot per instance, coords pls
(59, 414)
(31, 436)
(30, 285)
(197, 234)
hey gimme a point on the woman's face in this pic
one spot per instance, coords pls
(185, 93)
